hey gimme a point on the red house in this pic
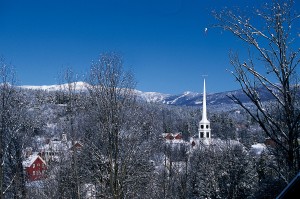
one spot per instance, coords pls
(178, 136)
(35, 167)
(76, 146)
(169, 136)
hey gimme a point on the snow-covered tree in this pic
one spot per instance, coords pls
(222, 171)
(272, 38)
(15, 124)
(115, 141)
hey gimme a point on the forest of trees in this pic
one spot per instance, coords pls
(123, 153)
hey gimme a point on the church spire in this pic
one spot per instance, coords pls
(204, 125)
(204, 113)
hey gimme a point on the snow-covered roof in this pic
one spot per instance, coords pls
(30, 160)
(258, 148)
(56, 146)
(172, 135)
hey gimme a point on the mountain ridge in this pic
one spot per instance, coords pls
(186, 98)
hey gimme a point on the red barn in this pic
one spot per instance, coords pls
(35, 167)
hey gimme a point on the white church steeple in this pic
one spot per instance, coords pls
(204, 125)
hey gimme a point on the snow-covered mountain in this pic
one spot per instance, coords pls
(185, 99)
(191, 99)
(151, 96)
(57, 87)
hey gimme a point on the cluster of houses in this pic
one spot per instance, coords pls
(179, 148)
(36, 163)
(204, 131)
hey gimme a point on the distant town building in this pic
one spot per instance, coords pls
(204, 130)
(204, 125)
(174, 138)
(76, 146)
(35, 167)
(55, 149)
(203, 136)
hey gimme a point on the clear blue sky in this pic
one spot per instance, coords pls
(162, 41)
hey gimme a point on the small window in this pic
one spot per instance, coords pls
(206, 126)
(202, 126)
(38, 165)
(33, 173)
(201, 134)
(207, 134)
(33, 166)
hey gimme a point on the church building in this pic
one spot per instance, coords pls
(204, 125)
(204, 131)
